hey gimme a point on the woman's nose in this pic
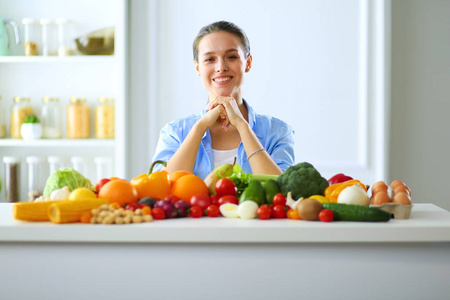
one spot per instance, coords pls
(222, 66)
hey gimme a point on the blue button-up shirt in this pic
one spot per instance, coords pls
(276, 136)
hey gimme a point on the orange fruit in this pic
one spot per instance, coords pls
(120, 191)
(174, 176)
(188, 186)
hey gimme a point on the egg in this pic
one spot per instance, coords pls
(402, 198)
(396, 183)
(402, 189)
(229, 210)
(380, 198)
(379, 186)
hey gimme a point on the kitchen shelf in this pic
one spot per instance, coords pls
(58, 59)
(57, 143)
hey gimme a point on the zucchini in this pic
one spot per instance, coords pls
(351, 212)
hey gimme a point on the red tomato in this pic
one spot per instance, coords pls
(101, 183)
(225, 186)
(279, 199)
(264, 212)
(158, 213)
(228, 199)
(196, 212)
(215, 199)
(200, 200)
(213, 211)
(132, 206)
(326, 215)
(278, 211)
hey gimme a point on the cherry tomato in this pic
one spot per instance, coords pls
(196, 212)
(158, 213)
(213, 211)
(132, 206)
(225, 186)
(279, 199)
(293, 214)
(228, 199)
(214, 199)
(326, 215)
(278, 211)
(200, 200)
(264, 212)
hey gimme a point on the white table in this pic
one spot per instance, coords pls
(218, 258)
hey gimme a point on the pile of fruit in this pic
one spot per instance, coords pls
(300, 193)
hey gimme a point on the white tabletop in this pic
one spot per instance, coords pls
(428, 223)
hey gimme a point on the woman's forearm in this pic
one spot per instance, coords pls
(261, 162)
(184, 157)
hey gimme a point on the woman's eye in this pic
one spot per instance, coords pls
(232, 57)
(208, 59)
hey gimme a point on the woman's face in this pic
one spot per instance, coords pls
(222, 64)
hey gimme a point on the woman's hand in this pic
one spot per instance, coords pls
(214, 117)
(232, 114)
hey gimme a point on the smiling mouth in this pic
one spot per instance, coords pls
(222, 79)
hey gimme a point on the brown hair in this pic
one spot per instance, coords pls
(222, 26)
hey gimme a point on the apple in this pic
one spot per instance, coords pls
(101, 183)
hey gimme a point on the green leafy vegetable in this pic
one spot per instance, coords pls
(31, 119)
(66, 177)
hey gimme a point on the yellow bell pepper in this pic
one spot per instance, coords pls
(332, 192)
(153, 184)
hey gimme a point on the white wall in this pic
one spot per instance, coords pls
(420, 137)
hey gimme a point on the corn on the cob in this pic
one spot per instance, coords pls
(32, 211)
(70, 211)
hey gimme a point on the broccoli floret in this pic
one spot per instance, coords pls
(302, 180)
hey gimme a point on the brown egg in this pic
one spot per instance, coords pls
(402, 198)
(396, 183)
(380, 198)
(379, 186)
(402, 189)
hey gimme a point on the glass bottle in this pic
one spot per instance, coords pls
(12, 176)
(20, 110)
(32, 36)
(104, 118)
(56, 162)
(51, 118)
(80, 164)
(78, 119)
(66, 37)
(35, 177)
(49, 37)
(2, 120)
(104, 167)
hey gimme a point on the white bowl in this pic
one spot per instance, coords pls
(31, 131)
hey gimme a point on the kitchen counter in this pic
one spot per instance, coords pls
(222, 258)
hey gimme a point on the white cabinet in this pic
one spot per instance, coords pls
(63, 77)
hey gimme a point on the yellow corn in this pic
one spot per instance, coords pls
(70, 211)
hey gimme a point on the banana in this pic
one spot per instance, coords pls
(213, 177)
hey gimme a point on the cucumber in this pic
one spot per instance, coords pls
(350, 212)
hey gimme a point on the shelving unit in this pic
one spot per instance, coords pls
(63, 77)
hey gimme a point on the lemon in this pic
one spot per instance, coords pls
(229, 210)
(82, 193)
(320, 198)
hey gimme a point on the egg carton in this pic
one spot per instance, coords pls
(398, 211)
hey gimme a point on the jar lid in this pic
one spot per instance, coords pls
(75, 99)
(17, 99)
(47, 99)
(12, 159)
(35, 159)
(105, 99)
(27, 21)
(56, 159)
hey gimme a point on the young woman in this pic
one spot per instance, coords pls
(228, 127)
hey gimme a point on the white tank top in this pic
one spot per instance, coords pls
(221, 157)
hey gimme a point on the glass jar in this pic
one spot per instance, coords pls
(66, 37)
(2, 120)
(36, 177)
(31, 36)
(104, 118)
(55, 163)
(49, 37)
(80, 164)
(104, 167)
(12, 176)
(20, 110)
(78, 119)
(51, 118)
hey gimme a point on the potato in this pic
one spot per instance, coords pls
(309, 209)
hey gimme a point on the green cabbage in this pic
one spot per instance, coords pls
(66, 177)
